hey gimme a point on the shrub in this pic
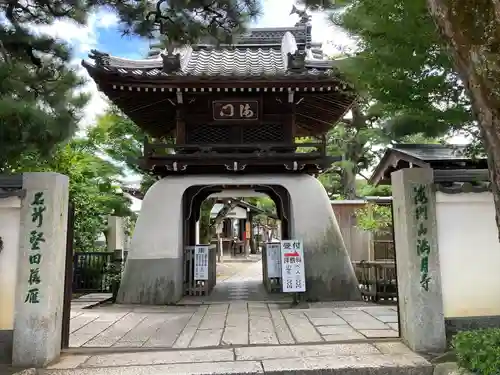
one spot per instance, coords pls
(478, 351)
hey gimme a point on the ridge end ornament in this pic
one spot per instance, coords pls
(100, 58)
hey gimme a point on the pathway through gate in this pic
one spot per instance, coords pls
(244, 284)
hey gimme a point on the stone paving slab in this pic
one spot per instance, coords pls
(89, 300)
(384, 358)
(228, 324)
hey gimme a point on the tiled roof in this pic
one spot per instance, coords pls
(302, 34)
(257, 53)
(432, 152)
(251, 62)
(274, 35)
(227, 62)
(464, 187)
(452, 158)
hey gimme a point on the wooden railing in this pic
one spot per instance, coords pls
(194, 287)
(377, 280)
(90, 271)
(168, 151)
(383, 249)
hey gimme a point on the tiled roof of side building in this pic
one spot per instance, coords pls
(429, 152)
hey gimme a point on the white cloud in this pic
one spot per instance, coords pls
(98, 102)
(83, 38)
(276, 13)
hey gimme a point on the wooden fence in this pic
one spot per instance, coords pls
(89, 272)
(194, 287)
(378, 280)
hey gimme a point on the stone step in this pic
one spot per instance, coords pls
(384, 358)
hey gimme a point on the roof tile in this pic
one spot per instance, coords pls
(226, 62)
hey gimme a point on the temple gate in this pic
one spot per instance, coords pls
(230, 115)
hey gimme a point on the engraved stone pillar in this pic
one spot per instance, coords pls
(419, 276)
(41, 266)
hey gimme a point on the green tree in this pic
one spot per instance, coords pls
(121, 140)
(471, 31)
(401, 63)
(406, 83)
(93, 189)
(456, 64)
(40, 98)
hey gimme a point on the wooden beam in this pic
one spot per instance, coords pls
(208, 119)
(290, 130)
(180, 125)
(330, 124)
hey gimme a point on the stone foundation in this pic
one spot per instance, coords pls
(152, 282)
(6, 346)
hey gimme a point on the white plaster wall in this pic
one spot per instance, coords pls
(469, 253)
(9, 232)
(158, 231)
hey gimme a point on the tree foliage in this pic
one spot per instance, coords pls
(93, 188)
(471, 31)
(409, 91)
(374, 217)
(121, 140)
(41, 97)
(402, 64)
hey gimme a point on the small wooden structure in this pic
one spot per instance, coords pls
(234, 244)
(436, 156)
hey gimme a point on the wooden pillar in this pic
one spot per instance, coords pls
(180, 127)
(253, 248)
(290, 118)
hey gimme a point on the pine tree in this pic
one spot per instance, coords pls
(41, 100)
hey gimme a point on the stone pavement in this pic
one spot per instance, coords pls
(89, 300)
(239, 329)
(222, 324)
(245, 285)
(379, 358)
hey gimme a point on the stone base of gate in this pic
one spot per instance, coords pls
(153, 274)
(152, 281)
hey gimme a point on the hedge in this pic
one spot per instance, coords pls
(478, 351)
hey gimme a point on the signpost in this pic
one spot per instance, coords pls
(201, 262)
(273, 259)
(292, 264)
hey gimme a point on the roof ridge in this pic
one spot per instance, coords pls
(425, 145)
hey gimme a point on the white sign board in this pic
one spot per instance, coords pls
(201, 262)
(273, 250)
(292, 266)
